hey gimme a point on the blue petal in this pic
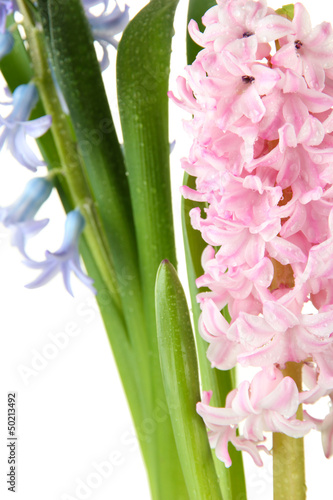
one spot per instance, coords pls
(66, 275)
(74, 226)
(87, 4)
(25, 97)
(36, 128)
(35, 193)
(3, 137)
(105, 62)
(23, 231)
(21, 150)
(6, 43)
(108, 25)
(48, 273)
(76, 267)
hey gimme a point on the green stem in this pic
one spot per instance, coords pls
(70, 161)
(288, 453)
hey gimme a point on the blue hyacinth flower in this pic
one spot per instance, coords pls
(106, 25)
(6, 43)
(15, 127)
(65, 260)
(19, 217)
(6, 8)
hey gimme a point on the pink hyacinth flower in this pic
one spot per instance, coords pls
(269, 403)
(309, 51)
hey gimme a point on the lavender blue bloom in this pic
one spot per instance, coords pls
(19, 217)
(106, 25)
(16, 126)
(65, 260)
(6, 8)
(6, 43)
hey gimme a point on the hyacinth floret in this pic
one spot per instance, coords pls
(19, 217)
(66, 260)
(260, 93)
(15, 128)
(6, 43)
(106, 25)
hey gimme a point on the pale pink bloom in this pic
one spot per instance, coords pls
(279, 335)
(214, 328)
(242, 28)
(289, 112)
(268, 403)
(309, 51)
(234, 284)
(236, 87)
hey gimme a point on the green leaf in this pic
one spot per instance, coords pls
(79, 77)
(196, 10)
(287, 11)
(143, 64)
(181, 383)
(142, 82)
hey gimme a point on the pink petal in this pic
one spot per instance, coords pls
(320, 324)
(312, 132)
(213, 319)
(262, 273)
(272, 27)
(279, 317)
(314, 74)
(285, 251)
(293, 428)
(218, 416)
(222, 353)
(284, 399)
(251, 104)
(286, 57)
(265, 78)
(195, 33)
(302, 20)
(287, 137)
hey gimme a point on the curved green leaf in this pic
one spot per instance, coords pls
(181, 383)
(142, 82)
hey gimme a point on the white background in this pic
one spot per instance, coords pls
(72, 414)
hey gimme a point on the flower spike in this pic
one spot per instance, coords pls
(261, 122)
(64, 260)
